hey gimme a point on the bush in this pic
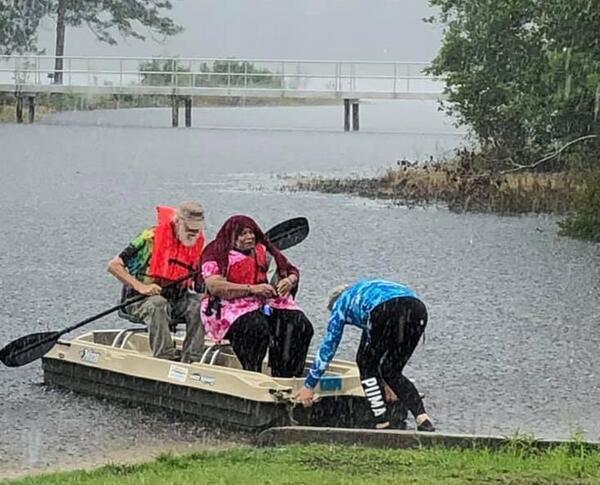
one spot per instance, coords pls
(585, 223)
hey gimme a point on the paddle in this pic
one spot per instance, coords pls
(33, 346)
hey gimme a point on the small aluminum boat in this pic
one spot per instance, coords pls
(119, 364)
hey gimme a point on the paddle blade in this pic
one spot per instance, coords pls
(27, 349)
(288, 233)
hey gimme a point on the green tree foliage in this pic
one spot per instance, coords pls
(585, 224)
(104, 17)
(220, 73)
(20, 19)
(524, 74)
(235, 73)
(160, 72)
(19, 22)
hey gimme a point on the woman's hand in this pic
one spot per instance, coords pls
(284, 286)
(262, 289)
(305, 396)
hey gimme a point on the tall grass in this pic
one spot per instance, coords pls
(460, 189)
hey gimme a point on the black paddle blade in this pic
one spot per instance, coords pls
(288, 233)
(27, 349)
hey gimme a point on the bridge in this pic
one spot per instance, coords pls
(182, 79)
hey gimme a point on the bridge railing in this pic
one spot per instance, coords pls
(204, 74)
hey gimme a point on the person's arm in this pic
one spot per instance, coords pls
(218, 286)
(117, 268)
(327, 349)
(285, 285)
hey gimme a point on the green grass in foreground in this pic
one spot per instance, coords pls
(320, 464)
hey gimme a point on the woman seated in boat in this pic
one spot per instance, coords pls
(245, 307)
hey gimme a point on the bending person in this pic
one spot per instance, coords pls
(157, 256)
(245, 308)
(393, 319)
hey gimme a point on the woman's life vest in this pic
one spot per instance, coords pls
(250, 270)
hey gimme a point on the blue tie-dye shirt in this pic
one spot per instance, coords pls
(353, 307)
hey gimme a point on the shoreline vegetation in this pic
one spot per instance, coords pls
(459, 187)
(465, 184)
(516, 462)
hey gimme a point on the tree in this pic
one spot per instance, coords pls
(221, 73)
(160, 72)
(19, 22)
(524, 74)
(103, 17)
(234, 73)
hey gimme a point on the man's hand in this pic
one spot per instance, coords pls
(263, 289)
(305, 397)
(148, 290)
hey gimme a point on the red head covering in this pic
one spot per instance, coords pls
(218, 249)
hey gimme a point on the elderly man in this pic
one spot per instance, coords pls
(392, 319)
(158, 256)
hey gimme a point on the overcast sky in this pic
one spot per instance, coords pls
(283, 29)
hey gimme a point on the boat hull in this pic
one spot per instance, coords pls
(217, 391)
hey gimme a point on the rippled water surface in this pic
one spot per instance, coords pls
(514, 309)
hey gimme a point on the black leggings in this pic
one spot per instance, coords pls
(285, 333)
(396, 327)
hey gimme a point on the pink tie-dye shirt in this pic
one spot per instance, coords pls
(231, 310)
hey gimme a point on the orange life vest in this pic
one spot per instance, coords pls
(167, 248)
(251, 270)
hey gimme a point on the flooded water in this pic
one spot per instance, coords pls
(514, 331)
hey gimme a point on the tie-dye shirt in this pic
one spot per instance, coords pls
(136, 257)
(353, 307)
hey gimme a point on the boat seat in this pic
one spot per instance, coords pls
(212, 352)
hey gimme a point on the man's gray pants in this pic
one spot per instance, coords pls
(158, 314)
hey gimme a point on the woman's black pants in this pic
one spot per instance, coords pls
(286, 334)
(396, 327)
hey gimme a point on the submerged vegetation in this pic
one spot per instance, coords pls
(461, 187)
(517, 462)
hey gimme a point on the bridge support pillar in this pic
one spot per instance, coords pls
(188, 112)
(355, 124)
(31, 99)
(175, 111)
(19, 108)
(346, 115)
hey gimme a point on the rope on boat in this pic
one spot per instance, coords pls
(283, 396)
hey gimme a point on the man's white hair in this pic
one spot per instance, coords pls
(335, 294)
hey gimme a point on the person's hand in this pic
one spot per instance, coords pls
(262, 289)
(149, 290)
(284, 286)
(305, 397)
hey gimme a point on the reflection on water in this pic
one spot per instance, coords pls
(513, 336)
